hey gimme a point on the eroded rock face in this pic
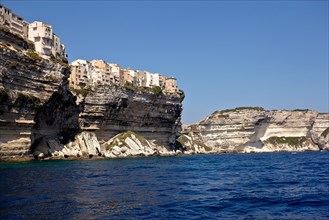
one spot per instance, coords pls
(109, 111)
(105, 112)
(56, 121)
(40, 115)
(257, 130)
(26, 82)
(188, 145)
(320, 131)
(129, 144)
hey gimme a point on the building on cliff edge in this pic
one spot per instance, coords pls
(45, 41)
(13, 22)
(86, 74)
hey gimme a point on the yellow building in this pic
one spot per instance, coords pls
(170, 85)
(80, 74)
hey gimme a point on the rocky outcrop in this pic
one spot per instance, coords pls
(320, 131)
(26, 83)
(129, 144)
(109, 111)
(41, 116)
(189, 145)
(106, 112)
(258, 130)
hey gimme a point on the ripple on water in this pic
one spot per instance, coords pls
(248, 186)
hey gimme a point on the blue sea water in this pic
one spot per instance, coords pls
(230, 186)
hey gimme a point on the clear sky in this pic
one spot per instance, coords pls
(224, 54)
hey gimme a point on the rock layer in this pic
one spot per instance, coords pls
(41, 115)
(110, 110)
(257, 130)
(130, 144)
(26, 83)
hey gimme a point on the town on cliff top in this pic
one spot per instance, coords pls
(84, 74)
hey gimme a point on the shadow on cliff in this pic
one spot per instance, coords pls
(57, 121)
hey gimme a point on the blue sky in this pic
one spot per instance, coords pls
(224, 54)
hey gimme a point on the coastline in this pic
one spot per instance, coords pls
(71, 158)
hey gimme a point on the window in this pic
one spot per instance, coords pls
(35, 28)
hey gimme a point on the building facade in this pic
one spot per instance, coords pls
(87, 74)
(108, 72)
(141, 78)
(45, 41)
(115, 73)
(13, 22)
(152, 79)
(127, 76)
(58, 49)
(80, 76)
(170, 85)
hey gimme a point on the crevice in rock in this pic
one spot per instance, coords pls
(57, 119)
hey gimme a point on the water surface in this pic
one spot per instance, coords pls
(241, 186)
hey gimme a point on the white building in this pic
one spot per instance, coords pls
(45, 41)
(152, 79)
(107, 73)
(93, 73)
(115, 71)
(58, 49)
(90, 74)
(13, 22)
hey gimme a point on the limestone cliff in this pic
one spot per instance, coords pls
(41, 115)
(258, 130)
(130, 144)
(26, 83)
(189, 145)
(111, 110)
(104, 112)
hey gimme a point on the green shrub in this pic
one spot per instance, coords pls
(83, 92)
(300, 110)
(292, 141)
(33, 55)
(157, 90)
(128, 86)
(139, 137)
(242, 108)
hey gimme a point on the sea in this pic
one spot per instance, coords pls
(225, 186)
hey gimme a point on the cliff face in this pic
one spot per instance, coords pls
(26, 83)
(257, 130)
(40, 115)
(103, 113)
(110, 110)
